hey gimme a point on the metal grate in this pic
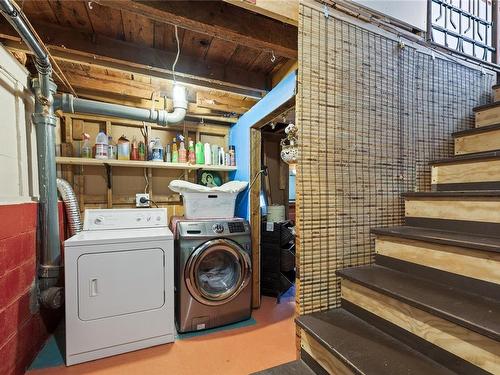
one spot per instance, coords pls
(371, 116)
(464, 25)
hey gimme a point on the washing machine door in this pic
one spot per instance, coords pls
(217, 271)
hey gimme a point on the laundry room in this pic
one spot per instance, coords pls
(249, 187)
(132, 179)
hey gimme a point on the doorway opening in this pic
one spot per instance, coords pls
(272, 205)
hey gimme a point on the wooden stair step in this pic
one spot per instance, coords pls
(452, 194)
(470, 278)
(485, 138)
(473, 312)
(487, 114)
(476, 156)
(460, 239)
(459, 211)
(291, 368)
(466, 261)
(475, 131)
(362, 348)
(475, 171)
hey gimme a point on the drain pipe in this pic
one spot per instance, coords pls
(69, 104)
(44, 121)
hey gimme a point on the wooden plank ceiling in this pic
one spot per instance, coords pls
(124, 50)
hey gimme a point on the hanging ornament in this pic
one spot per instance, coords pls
(289, 146)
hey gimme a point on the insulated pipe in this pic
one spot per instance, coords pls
(71, 205)
(48, 211)
(69, 104)
(45, 122)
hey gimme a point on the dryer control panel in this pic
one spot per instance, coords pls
(99, 219)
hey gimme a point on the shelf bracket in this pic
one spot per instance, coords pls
(109, 175)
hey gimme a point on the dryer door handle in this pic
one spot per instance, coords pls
(93, 290)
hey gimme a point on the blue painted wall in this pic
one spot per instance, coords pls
(240, 134)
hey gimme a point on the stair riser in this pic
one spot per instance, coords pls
(480, 215)
(480, 265)
(481, 142)
(467, 175)
(488, 116)
(330, 363)
(479, 350)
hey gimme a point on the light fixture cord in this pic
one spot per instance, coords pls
(178, 52)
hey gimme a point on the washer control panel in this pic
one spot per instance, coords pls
(99, 219)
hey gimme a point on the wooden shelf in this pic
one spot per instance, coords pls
(141, 164)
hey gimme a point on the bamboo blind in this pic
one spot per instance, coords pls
(371, 114)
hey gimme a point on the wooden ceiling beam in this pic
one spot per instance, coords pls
(100, 83)
(223, 102)
(75, 46)
(282, 10)
(219, 20)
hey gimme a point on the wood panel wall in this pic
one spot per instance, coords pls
(372, 113)
(90, 182)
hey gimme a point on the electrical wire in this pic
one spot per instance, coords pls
(251, 184)
(178, 53)
(147, 182)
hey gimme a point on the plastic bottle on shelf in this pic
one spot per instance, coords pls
(134, 150)
(215, 154)
(111, 148)
(150, 149)
(86, 151)
(175, 152)
(123, 148)
(199, 153)
(232, 155)
(191, 153)
(142, 150)
(168, 153)
(221, 156)
(182, 153)
(101, 146)
(157, 150)
(208, 154)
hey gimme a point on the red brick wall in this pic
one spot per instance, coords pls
(23, 329)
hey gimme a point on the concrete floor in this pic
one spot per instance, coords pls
(244, 350)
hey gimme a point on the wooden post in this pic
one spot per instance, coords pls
(255, 165)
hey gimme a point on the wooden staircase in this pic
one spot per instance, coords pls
(431, 302)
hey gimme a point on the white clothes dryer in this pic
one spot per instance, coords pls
(119, 292)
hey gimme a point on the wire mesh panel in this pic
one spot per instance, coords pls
(372, 114)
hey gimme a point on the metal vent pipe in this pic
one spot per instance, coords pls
(69, 104)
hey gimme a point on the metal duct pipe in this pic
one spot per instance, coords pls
(44, 121)
(71, 205)
(69, 104)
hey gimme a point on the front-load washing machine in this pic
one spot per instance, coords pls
(119, 274)
(213, 273)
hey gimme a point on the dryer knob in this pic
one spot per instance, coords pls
(218, 228)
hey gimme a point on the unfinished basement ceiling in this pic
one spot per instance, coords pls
(126, 49)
